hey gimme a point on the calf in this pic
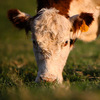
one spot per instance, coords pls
(55, 28)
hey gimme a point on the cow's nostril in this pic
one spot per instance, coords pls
(46, 79)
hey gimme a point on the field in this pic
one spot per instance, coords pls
(18, 68)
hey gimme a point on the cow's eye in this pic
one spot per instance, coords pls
(71, 30)
(66, 43)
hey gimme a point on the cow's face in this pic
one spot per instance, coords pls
(51, 42)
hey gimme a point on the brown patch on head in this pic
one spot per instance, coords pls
(62, 5)
(87, 17)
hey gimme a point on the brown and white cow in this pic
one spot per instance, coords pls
(55, 28)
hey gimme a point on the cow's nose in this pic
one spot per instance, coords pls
(46, 79)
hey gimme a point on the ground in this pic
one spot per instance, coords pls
(18, 68)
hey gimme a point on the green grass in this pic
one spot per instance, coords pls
(18, 68)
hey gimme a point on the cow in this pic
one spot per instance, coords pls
(55, 28)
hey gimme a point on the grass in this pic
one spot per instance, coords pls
(18, 68)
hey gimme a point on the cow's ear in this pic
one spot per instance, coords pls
(82, 22)
(19, 19)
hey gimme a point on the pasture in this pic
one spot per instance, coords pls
(18, 68)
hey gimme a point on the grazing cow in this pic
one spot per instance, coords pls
(55, 28)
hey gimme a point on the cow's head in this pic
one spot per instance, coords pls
(52, 36)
